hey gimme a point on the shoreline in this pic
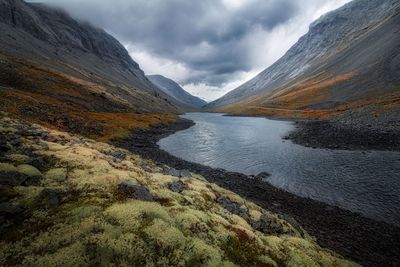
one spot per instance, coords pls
(369, 242)
(334, 135)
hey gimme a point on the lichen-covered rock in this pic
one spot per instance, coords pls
(269, 225)
(9, 175)
(135, 191)
(233, 207)
(32, 175)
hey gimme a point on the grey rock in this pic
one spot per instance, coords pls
(177, 173)
(233, 207)
(136, 191)
(177, 186)
(268, 225)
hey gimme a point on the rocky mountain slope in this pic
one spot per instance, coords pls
(348, 58)
(173, 89)
(58, 71)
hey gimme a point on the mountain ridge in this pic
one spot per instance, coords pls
(173, 89)
(323, 54)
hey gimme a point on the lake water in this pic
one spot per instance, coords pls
(367, 182)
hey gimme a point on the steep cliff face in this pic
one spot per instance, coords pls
(58, 71)
(351, 52)
(174, 90)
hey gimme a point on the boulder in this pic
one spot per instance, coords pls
(268, 225)
(177, 186)
(233, 207)
(33, 175)
(135, 191)
(177, 173)
(9, 175)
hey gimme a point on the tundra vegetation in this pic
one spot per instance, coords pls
(72, 201)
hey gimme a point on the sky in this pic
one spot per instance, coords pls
(208, 46)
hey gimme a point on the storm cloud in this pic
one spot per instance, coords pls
(209, 43)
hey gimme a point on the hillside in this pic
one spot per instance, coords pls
(68, 74)
(348, 61)
(59, 207)
(174, 90)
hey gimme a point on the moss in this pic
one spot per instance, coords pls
(57, 174)
(7, 167)
(29, 170)
(95, 226)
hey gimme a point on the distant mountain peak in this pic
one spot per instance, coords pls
(173, 89)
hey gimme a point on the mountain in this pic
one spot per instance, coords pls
(349, 57)
(174, 90)
(55, 69)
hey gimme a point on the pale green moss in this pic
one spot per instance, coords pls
(57, 175)
(95, 225)
(29, 170)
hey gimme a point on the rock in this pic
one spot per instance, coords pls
(177, 173)
(262, 175)
(233, 207)
(57, 174)
(49, 198)
(136, 191)
(33, 175)
(268, 225)
(4, 147)
(9, 175)
(8, 209)
(185, 173)
(177, 186)
(37, 162)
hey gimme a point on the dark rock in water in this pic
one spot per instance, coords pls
(233, 207)
(8, 209)
(268, 225)
(49, 198)
(262, 176)
(136, 191)
(177, 186)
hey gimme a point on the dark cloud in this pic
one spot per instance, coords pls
(206, 36)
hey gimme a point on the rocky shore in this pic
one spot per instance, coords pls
(337, 135)
(366, 241)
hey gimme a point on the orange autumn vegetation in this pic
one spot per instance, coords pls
(293, 102)
(72, 104)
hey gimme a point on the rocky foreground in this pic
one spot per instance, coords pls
(71, 201)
